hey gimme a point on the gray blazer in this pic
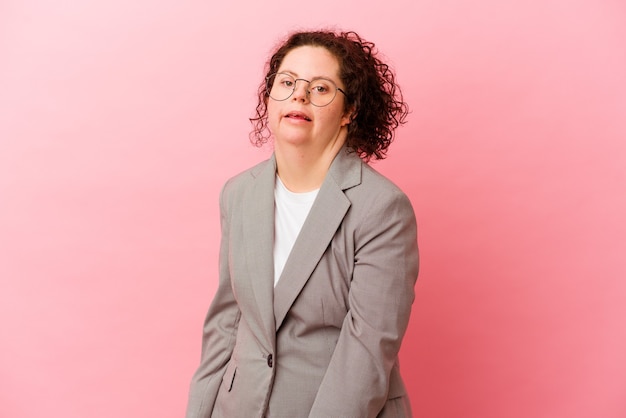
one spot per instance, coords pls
(324, 342)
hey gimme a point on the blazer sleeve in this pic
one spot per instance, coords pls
(356, 383)
(219, 332)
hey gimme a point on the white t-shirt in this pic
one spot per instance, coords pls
(290, 212)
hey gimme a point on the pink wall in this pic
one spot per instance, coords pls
(119, 122)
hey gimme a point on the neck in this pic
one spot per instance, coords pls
(302, 171)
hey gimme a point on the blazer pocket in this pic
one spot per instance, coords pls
(229, 377)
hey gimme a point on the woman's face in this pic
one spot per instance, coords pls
(296, 121)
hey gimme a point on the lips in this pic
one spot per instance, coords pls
(298, 116)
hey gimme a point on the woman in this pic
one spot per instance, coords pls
(318, 258)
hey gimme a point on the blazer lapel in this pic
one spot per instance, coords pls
(323, 220)
(258, 233)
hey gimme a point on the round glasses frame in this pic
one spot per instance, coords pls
(269, 85)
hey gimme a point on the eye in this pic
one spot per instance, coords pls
(285, 80)
(320, 87)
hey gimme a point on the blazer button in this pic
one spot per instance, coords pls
(270, 360)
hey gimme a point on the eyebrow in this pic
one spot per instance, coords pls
(295, 75)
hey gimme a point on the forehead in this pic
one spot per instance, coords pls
(311, 61)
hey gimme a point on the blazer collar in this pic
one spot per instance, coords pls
(323, 220)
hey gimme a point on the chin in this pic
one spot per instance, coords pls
(291, 139)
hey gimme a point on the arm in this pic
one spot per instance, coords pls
(219, 333)
(356, 383)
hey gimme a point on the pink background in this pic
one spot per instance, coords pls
(120, 120)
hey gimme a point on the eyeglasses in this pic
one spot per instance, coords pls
(320, 91)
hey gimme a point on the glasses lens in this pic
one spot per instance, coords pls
(280, 86)
(322, 91)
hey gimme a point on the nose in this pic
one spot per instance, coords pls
(300, 91)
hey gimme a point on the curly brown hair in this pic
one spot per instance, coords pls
(371, 90)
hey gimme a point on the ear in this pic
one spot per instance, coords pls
(348, 116)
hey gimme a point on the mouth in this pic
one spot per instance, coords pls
(298, 116)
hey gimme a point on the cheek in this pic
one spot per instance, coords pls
(272, 114)
(332, 116)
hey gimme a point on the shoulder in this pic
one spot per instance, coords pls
(369, 192)
(237, 188)
(376, 190)
(240, 181)
(381, 213)
(373, 179)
